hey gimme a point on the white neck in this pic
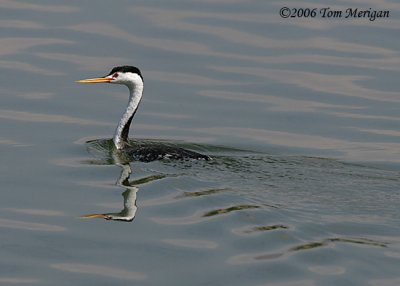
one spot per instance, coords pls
(121, 133)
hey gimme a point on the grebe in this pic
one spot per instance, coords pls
(131, 77)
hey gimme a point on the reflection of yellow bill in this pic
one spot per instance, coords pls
(95, 80)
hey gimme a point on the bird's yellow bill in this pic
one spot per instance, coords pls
(93, 216)
(95, 80)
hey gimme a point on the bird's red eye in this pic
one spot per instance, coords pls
(115, 75)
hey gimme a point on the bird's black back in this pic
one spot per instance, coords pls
(153, 151)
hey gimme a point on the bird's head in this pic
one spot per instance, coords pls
(126, 75)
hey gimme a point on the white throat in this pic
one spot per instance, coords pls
(135, 95)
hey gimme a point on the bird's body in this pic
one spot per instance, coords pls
(154, 151)
(131, 77)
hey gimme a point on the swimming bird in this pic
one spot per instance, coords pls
(131, 77)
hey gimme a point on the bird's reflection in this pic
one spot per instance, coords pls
(128, 212)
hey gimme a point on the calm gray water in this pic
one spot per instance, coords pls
(301, 117)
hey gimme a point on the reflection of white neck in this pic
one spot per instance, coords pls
(121, 133)
(129, 211)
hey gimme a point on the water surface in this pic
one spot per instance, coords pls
(299, 115)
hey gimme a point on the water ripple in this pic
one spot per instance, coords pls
(99, 270)
(229, 210)
(24, 225)
(202, 244)
(51, 118)
(18, 280)
(329, 242)
(12, 4)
